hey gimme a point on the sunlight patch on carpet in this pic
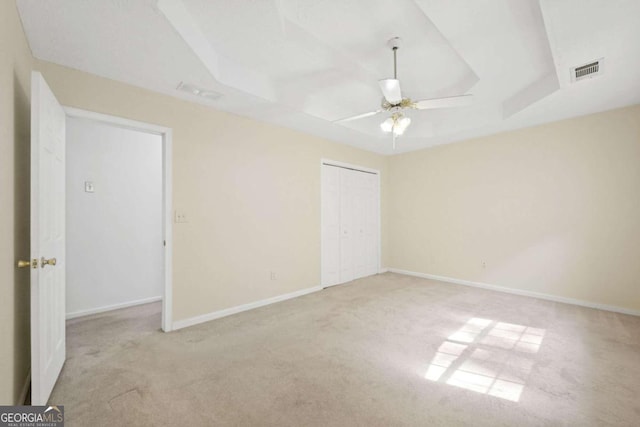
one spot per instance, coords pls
(487, 356)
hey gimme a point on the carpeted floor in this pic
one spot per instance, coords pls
(389, 350)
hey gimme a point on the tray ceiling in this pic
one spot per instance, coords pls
(305, 63)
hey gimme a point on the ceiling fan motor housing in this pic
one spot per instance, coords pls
(405, 103)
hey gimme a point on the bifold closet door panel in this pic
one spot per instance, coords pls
(330, 225)
(347, 225)
(371, 226)
(366, 214)
(361, 195)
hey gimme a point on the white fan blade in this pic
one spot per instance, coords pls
(359, 116)
(451, 101)
(391, 90)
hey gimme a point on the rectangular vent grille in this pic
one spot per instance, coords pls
(587, 71)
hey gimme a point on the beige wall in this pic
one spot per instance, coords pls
(552, 209)
(15, 67)
(251, 192)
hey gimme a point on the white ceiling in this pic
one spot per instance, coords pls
(305, 63)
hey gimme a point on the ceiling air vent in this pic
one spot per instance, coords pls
(587, 71)
(198, 91)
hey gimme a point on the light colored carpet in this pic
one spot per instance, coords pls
(388, 350)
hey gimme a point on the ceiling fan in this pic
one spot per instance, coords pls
(394, 103)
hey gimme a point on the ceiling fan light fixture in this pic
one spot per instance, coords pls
(401, 125)
(387, 125)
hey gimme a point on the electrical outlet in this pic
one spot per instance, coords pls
(88, 187)
(274, 276)
(484, 264)
(180, 217)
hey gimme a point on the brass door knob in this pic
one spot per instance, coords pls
(44, 262)
(26, 264)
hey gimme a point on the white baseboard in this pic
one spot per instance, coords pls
(383, 270)
(25, 389)
(179, 324)
(521, 292)
(102, 309)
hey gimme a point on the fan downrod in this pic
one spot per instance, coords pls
(394, 44)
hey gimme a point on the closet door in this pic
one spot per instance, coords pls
(330, 225)
(360, 207)
(366, 218)
(347, 224)
(371, 225)
(350, 224)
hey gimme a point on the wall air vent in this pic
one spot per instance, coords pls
(587, 71)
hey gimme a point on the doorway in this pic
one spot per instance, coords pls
(118, 214)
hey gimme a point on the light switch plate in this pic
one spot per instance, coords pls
(88, 187)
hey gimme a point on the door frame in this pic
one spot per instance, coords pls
(324, 161)
(167, 191)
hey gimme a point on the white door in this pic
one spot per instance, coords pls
(347, 225)
(350, 224)
(330, 225)
(47, 239)
(360, 215)
(364, 216)
(371, 224)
